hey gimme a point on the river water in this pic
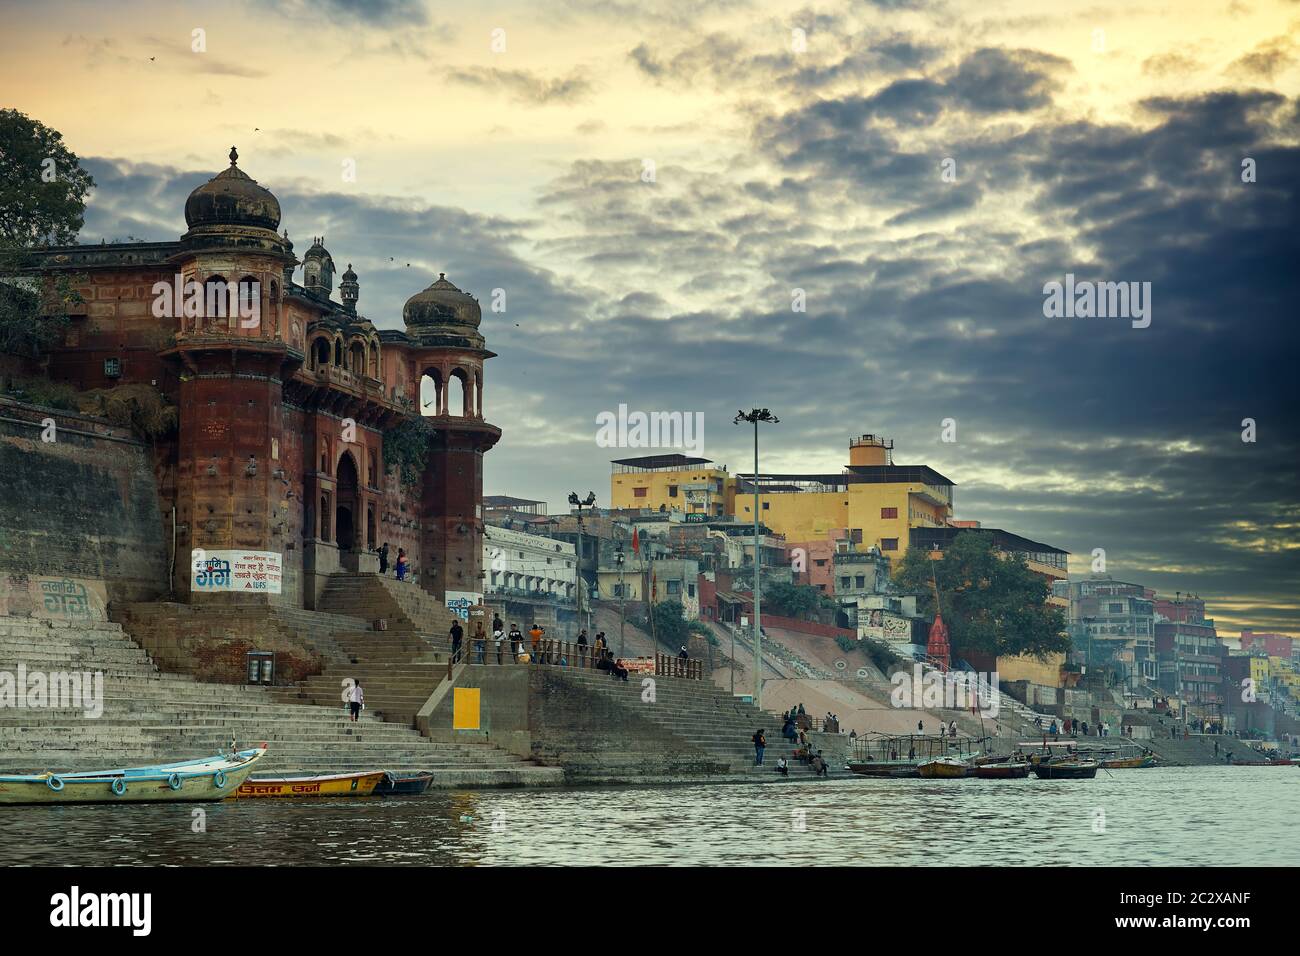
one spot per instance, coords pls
(1224, 816)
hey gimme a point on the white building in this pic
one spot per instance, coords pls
(519, 564)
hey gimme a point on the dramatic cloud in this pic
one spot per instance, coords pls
(525, 86)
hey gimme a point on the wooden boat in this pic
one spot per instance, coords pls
(884, 768)
(943, 768)
(1009, 770)
(395, 783)
(1065, 768)
(361, 784)
(990, 758)
(1128, 763)
(210, 778)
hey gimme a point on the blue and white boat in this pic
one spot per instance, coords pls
(211, 778)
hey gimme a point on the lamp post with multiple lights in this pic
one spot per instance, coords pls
(756, 415)
(588, 502)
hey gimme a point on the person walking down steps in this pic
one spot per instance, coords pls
(760, 744)
(356, 699)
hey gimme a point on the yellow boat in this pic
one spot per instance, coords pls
(317, 785)
(943, 767)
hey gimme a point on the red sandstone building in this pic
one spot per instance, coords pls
(284, 402)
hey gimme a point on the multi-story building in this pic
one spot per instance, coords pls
(867, 597)
(671, 482)
(1190, 656)
(877, 502)
(286, 399)
(1112, 624)
(1274, 645)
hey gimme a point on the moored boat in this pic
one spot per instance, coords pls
(209, 778)
(1128, 763)
(395, 784)
(361, 784)
(943, 768)
(1009, 770)
(1065, 768)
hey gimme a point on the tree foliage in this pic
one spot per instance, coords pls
(791, 600)
(992, 602)
(670, 623)
(406, 448)
(42, 203)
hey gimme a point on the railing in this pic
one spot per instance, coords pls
(568, 654)
(668, 666)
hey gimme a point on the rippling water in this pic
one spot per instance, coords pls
(1242, 816)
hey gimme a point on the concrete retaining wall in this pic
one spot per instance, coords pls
(83, 506)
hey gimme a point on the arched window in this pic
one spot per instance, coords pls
(320, 353)
(357, 358)
(338, 352)
(250, 300)
(431, 393)
(458, 394)
(216, 300)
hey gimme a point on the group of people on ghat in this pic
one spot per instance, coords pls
(539, 649)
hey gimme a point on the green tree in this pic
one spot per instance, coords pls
(670, 623)
(791, 600)
(42, 203)
(406, 448)
(992, 602)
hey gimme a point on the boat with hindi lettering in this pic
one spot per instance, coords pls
(359, 784)
(210, 778)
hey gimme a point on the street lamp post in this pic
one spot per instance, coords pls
(589, 502)
(622, 600)
(756, 415)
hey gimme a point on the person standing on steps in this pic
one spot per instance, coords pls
(480, 643)
(516, 642)
(356, 699)
(498, 633)
(401, 564)
(457, 635)
(760, 744)
(383, 559)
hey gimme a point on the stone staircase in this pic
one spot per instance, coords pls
(404, 604)
(702, 716)
(151, 717)
(400, 667)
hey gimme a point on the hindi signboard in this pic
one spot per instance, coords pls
(238, 571)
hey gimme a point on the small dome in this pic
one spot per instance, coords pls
(442, 304)
(349, 275)
(232, 198)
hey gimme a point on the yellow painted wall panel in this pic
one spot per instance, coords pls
(465, 708)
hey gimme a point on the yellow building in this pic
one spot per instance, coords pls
(880, 503)
(671, 483)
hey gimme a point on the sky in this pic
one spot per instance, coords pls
(655, 185)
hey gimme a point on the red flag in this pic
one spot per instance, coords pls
(654, 585)
(636, 542)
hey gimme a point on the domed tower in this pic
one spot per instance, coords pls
(349, 290)
(448, 353)
(318, 270)
(231, 362)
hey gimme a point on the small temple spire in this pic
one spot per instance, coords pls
(234, 156)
